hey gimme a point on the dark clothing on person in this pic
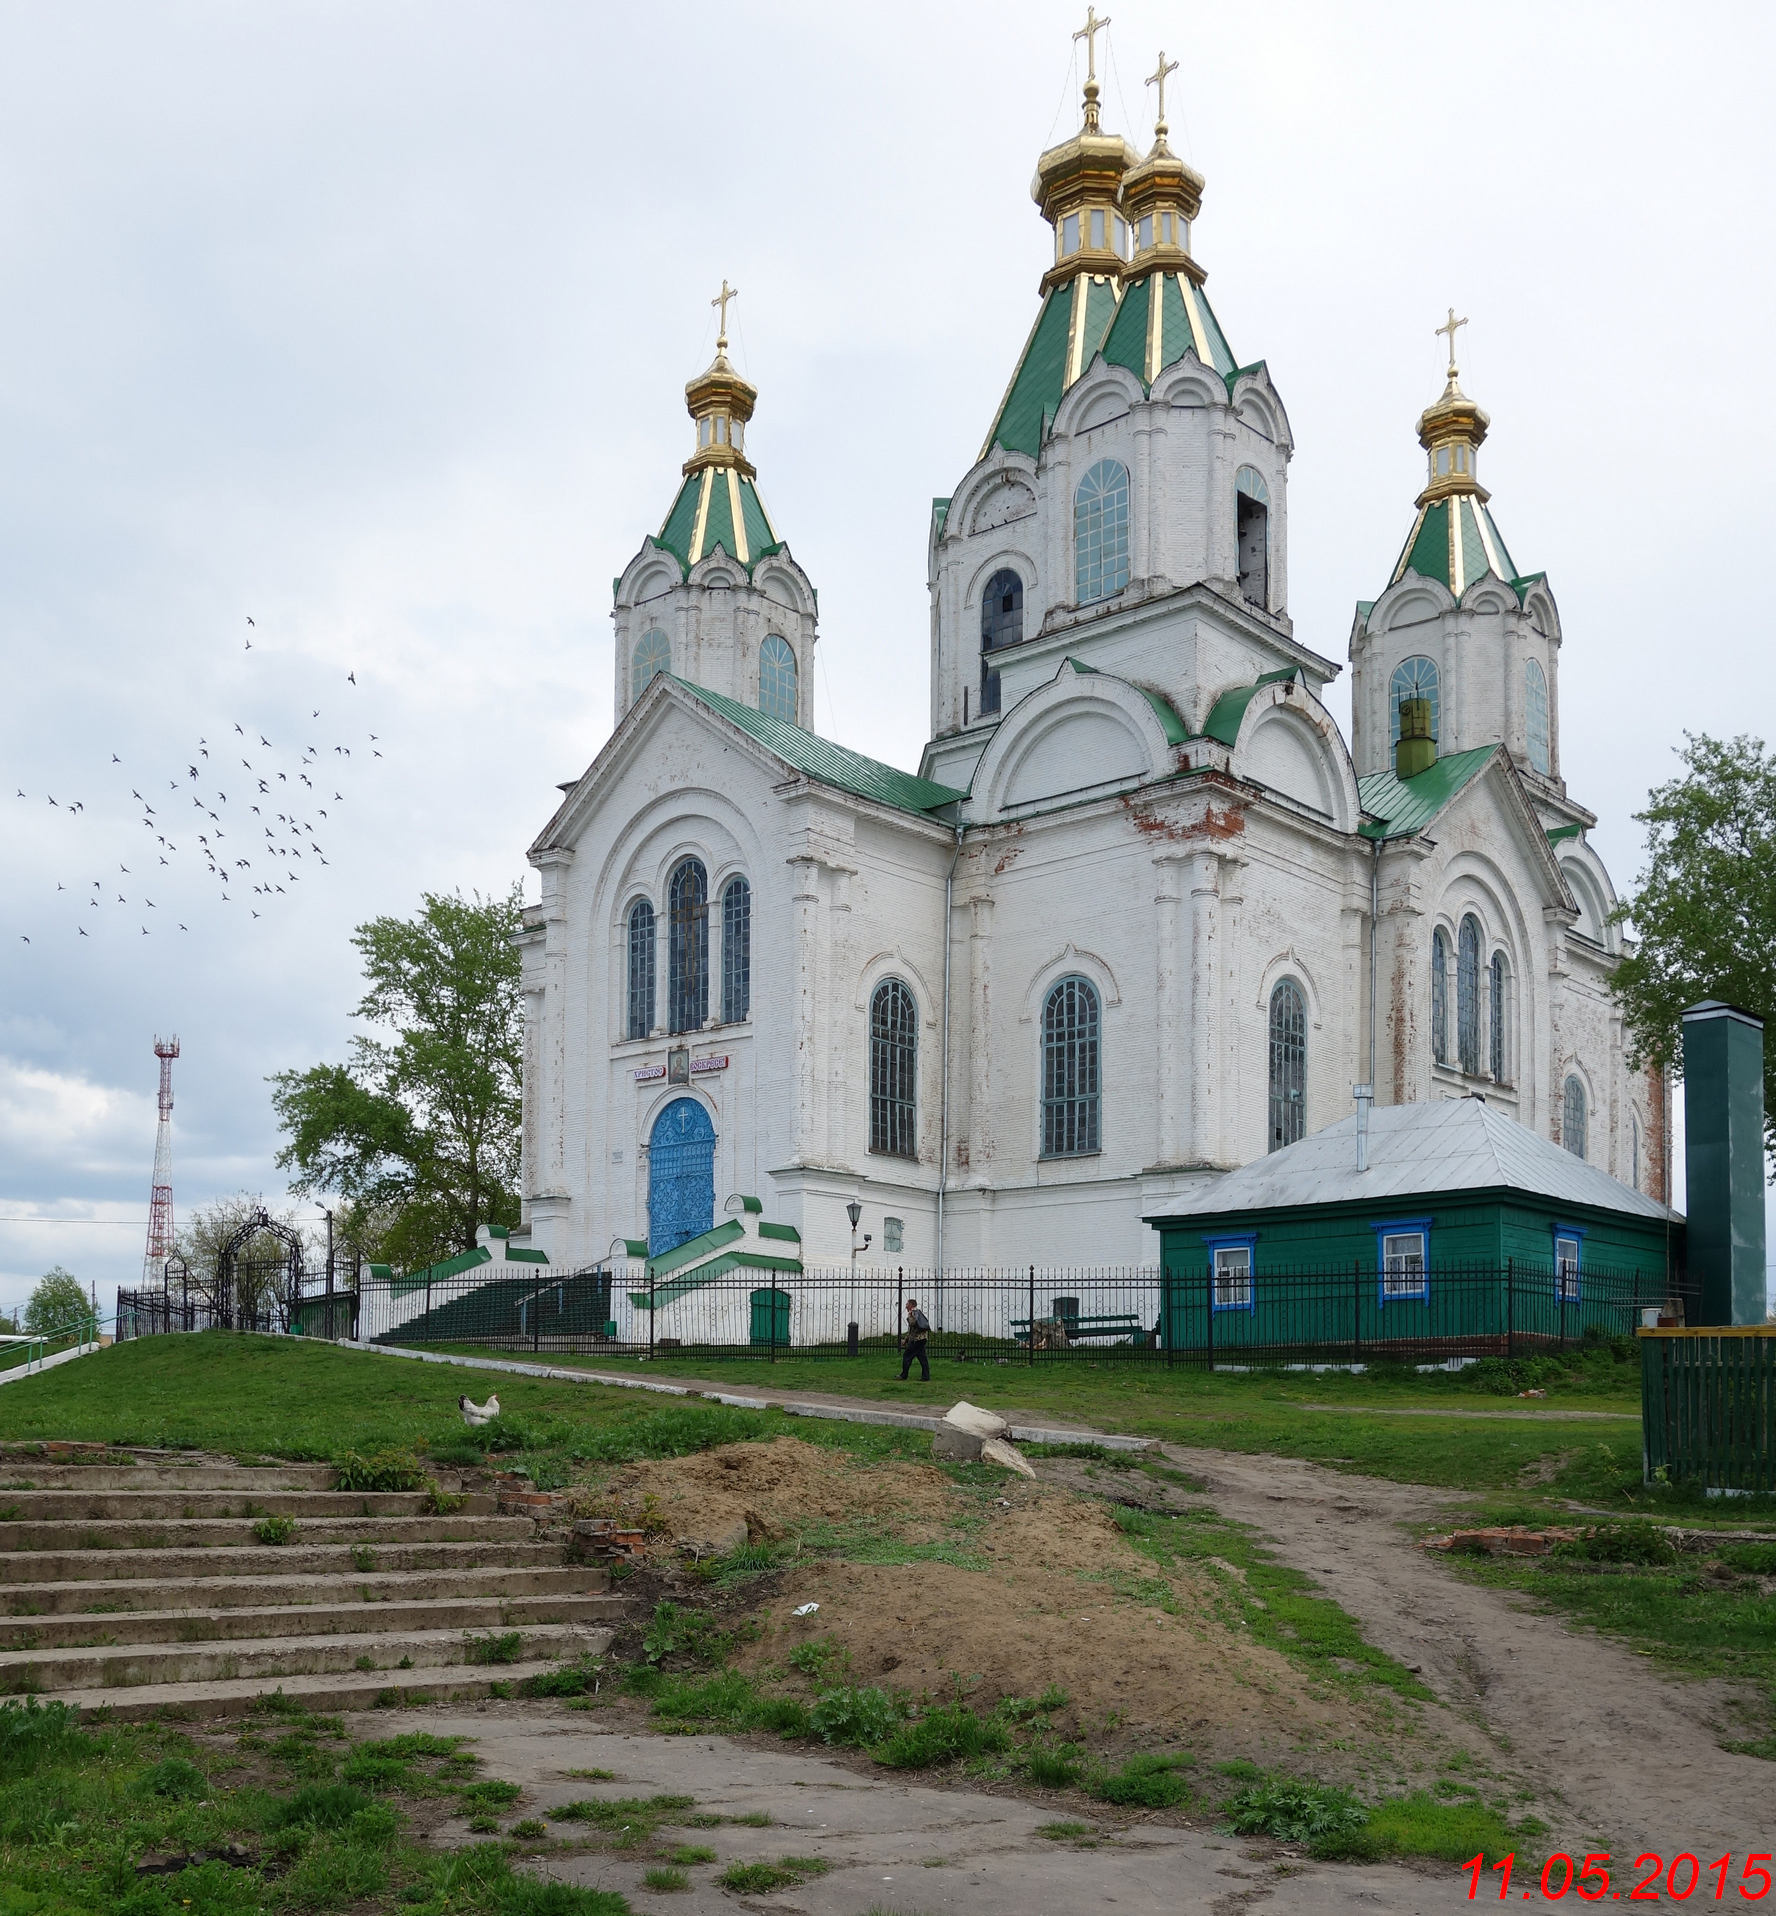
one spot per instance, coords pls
(918, 1330)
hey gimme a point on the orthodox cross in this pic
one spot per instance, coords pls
(1450, 326)
(1089, 34)
(733, 292)
(1158, 79)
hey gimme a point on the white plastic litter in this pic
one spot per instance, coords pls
(804, 1609)
(978, 1422)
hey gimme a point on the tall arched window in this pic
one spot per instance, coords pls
(1288, 1064)
(641, 970)
(1467, 996)
(687, 974)
(1002, 624)
(1535, 715)
(893, 1070)
(1573, 1115)
(1414, 678)
(736, 950)
(777, 678)
(1070, 1070)
(652, 655)
(1440, 996)
(1251, 505)
(1500, 1009)
(1101, 532)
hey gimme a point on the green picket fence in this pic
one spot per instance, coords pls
(1708, 1406)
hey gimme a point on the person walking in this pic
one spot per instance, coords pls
(918, 1329)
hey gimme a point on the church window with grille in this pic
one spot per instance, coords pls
(777, 678)
(1440, 996)
(893, 1068)
(736, 950)
(1002, 624)
(1252, 528)
(652, 655)
(1535, 716)
(1574, 1118)
(1101, 532)
(1467, 996)
(687, 979)
(1499, 1007)
(1414, 678)
(640, 1020)
(1288, 1064)
(1070, 1070)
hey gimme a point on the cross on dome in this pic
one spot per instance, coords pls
(1158, 79)
(721, 299)
(1450, 326)
(1089, 34)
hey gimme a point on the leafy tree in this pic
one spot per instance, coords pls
(419, 1131)
(59, 1300)
(1705, 913)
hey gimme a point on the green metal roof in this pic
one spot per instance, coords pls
(1164, 710)
(1455, 541)
(1185, 323)
(707, 492)
(1402, 806)
(1228, 712)
(831, 764)
(1561, 833)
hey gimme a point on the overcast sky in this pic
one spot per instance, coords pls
(370, 323)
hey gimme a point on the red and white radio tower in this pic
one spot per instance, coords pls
(160, 1201)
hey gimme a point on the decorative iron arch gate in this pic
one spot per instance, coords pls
(259, 1276)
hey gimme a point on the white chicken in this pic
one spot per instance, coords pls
(474, 1413)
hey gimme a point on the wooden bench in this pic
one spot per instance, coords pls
(1077, 1329)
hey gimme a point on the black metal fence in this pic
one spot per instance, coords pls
(1350, 1314)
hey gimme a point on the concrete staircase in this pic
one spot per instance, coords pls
(143, 1588)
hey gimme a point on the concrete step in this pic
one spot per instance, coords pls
(494, 1610)
(22, 1605)
(18, 1473)
(264, 1659)
(349, 1690)
(304, 1555)
(136, 1506)
(232, 1533)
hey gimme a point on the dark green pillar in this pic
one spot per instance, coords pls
(1723, 1054)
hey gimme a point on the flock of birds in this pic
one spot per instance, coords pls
(251, 844)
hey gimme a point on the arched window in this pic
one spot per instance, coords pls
(1573, 1118)
(1535, 715)
(1500, 1008)
(777, 678)
(652, 654)
(1467, 996)
(1440, 996)
(1101, 532)
(893, 1067)
(1414, 678)
(736, 950)
(687, 974)
(1002, 624)
(1070, 1070)
(1288, 1064)
(1252, 528)
(641, 970)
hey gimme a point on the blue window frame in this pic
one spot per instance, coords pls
(1569, 1258)
(1403, 1260)
(1231, 1261)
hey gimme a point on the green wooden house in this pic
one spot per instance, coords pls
(1463, 1233)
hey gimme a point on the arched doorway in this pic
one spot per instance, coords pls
(681, 1175)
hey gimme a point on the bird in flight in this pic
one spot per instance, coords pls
(115, 760)
(353, 677)
(237, 728)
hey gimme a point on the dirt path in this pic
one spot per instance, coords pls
(1626, 1759)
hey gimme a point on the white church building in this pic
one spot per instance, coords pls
(1143, 914)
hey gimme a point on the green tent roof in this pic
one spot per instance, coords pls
(703, 517)
(831, 764)
(1455, 541)
(1147, 339)
(1402, 806)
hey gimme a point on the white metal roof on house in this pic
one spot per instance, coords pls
(1461, 1144)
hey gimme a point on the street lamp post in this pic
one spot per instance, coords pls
(854, 1211)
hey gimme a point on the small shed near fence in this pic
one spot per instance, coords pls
(1464, 1233)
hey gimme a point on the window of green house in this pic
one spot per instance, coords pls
(1569, 1246)
(1403, 1253)
(1231, 1261)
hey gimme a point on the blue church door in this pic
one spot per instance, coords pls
(681, 1176)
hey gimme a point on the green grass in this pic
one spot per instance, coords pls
(760, 1879)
